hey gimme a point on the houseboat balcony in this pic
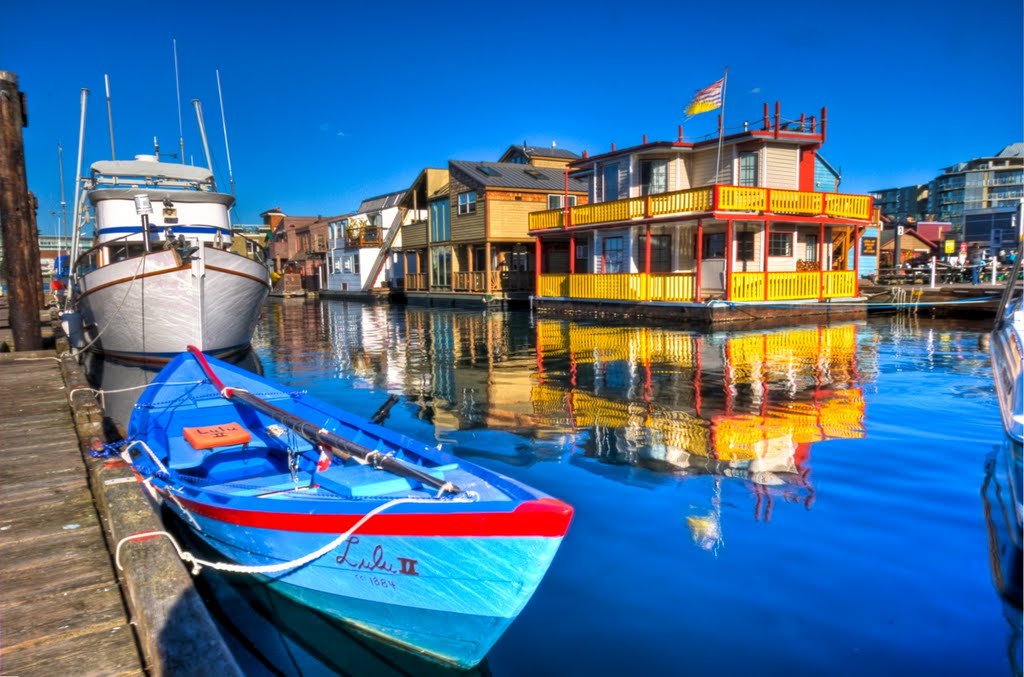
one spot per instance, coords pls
(368, 236)
(681, 287)
(494, 281)
(416, 282)
(707, 200)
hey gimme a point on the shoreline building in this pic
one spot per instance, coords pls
(706, 231)
(979, 197)
(359, 259)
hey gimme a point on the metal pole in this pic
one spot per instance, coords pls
(202, 133)
(933, 273)
(224, 123)
(177, 90)
(110, 116)
(76, 226)
(63, 202)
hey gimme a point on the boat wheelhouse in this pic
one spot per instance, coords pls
(751, 219)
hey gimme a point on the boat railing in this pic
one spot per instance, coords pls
(1012, 294)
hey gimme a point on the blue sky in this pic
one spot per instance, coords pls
(328, 103)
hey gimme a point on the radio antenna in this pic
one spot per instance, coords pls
(177, 90)
(224, 123)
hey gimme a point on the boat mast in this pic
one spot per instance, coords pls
(63, 202)
(110, 116)
(76, 232)
(177, 89)
(202, 133)
(224, 123)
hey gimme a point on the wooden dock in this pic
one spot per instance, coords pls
(62, 608)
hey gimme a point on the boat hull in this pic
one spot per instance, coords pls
(446, 598)
(153, 306)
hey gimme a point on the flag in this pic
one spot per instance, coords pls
(706, 99)
(324, 462)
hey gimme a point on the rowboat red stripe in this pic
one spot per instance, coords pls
(545, 517)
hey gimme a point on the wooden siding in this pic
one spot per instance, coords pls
(508, 214)
(548, 162)
(414, 235)
(781, 166)
(702, 168)
(466, 227)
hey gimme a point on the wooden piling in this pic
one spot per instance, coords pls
(17, 213)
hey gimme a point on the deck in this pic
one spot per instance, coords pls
(61, 603)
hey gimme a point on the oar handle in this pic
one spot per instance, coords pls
(208, 370)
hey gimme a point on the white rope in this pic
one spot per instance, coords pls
(145, 447)
(198, 564)
(101, 391)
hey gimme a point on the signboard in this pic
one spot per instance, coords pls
(869, 246)
(950, 246)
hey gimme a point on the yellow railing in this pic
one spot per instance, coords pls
(793, 286)
(848, 206)
(677, 287)
(681, 201)
(840, 284)
(698, 200)
(796, 202)
(605, 212)
(742, 199)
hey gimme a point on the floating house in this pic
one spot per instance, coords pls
(475, 248)
(718, 230)
(359, 263)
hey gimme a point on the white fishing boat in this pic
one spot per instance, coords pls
(161, 274)
(160, 269)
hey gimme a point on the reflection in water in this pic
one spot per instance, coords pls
(120, 383)
(740, 407)
(1004, 539)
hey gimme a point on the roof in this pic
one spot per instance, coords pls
(515, 175)
(373, 204)
(538, 151)
(152, 169)
(1013, 150)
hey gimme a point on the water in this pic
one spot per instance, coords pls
(802, 502)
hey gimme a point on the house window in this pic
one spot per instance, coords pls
(612, 255)
(780, 244)
(555, 201)
(714, 245)
(608, 183)
(347, 265)
(748, 168)
(467, 202)
(811, 247)
(440, 221)
(661, 253)
(745, 246)
(355, 263)
(653, 177)
(441, 266)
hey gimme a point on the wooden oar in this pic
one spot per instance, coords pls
(338, 446)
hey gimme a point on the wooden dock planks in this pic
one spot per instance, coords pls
(61, 604)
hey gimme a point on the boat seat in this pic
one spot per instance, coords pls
(363, 480)
(192, 447)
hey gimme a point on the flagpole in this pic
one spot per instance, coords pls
(721, 124)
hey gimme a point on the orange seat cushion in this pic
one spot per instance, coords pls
(210, 436)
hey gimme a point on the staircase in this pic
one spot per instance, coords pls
(385, 249)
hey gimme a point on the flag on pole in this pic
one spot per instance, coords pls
(706, 99)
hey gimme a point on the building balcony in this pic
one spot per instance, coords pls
(711, 199)
(681, 287)
(363, 237)
(496, 281)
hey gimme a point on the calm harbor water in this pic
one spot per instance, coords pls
(797, 501)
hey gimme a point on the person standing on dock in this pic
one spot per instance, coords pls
(977, 262)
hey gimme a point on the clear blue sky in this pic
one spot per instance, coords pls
(328, 103)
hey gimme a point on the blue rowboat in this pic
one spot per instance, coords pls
(397, 538)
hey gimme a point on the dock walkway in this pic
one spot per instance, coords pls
(61, 605)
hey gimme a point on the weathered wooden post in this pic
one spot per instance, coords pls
(17, 220)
